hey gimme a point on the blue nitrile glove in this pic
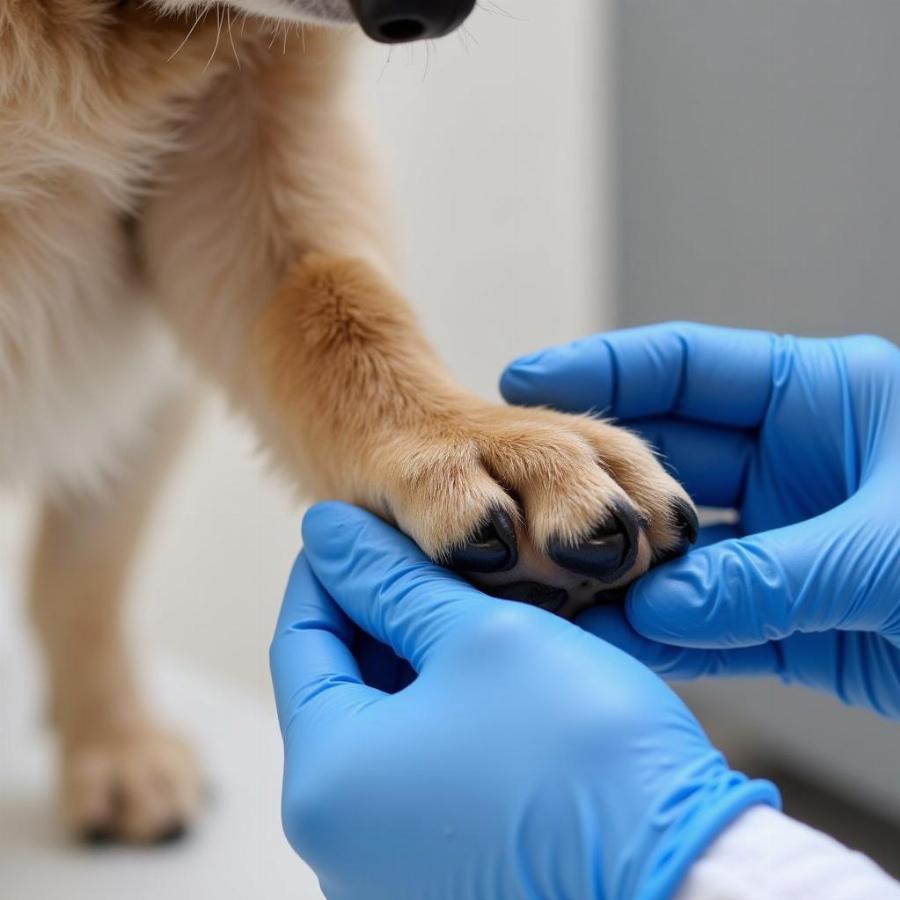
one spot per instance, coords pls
(529, 760)
(802, 437)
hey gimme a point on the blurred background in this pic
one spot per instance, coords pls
(557, 169)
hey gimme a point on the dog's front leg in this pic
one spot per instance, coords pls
(264, 241)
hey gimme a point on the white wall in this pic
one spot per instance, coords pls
(498, 179)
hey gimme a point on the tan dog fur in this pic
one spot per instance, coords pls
(150, 187)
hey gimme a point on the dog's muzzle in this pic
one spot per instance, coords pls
(400, 21)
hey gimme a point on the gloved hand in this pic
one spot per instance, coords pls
(527, 760)
(802, 438)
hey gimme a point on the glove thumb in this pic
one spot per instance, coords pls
(384, 583)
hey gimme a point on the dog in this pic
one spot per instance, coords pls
(174, 187)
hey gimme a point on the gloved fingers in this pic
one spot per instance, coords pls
(750, 590)
(313, 669)
(730, 594)
(679, 663)
(384, 582)
(710, 462)
(380, 667)
(721, 376)
(578, 377)
(862, 669)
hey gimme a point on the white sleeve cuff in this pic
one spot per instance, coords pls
(765, 854)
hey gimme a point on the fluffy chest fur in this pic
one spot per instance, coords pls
(91, 90)
(91, 97)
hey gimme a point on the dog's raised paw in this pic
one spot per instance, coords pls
(554, 510)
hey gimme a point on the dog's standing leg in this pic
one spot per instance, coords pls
(122, 774)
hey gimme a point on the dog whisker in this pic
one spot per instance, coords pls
(237, 58)
(215, 48)
(274, 26)
(489, 6)
(200, 17)
(387, 62)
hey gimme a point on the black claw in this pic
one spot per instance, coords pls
(685, 519)
(608, 553)
(96, 836)
(532, 593)
(493, 549)
(172, 835)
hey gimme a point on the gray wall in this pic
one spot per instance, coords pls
(759, 185)
(760, 163)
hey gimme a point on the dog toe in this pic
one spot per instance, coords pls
(140, 787)
(492, 549)
(609, 551)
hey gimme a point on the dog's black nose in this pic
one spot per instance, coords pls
(400, 21)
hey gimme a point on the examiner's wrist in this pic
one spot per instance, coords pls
(723, 801)
(765, 855)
